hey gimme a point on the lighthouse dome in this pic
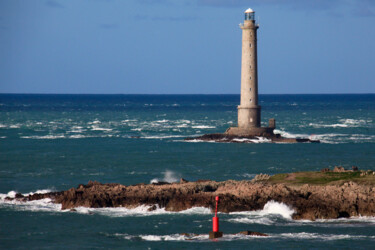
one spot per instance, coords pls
(249, 10)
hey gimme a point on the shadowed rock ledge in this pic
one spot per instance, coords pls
(328, 201)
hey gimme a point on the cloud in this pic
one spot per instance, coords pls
(54, 4)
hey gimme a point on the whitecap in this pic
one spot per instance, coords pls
(96, 128)
(308, 236)
(203, 126)
(161, 136)
(290, 135)
(44, 137)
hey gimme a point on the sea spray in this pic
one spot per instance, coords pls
(169, 176)
(273, 207)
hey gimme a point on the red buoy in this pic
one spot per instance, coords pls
(215, 224)
(215, 220)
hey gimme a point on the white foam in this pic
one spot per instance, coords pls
(136, 129)
(344, 123)
(161, 136)
(11, 194)
(273, 207)
(256, 220)
(76, 129)
(78, 136)
(95, 122)
(44, 137)
(264, 216)
(162, 121)
(96, 128)
(290, 135)
(203, 126)
(307, 236)
(169, 237)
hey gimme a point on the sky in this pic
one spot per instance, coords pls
(184, 46)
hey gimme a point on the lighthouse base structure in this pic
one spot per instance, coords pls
(250, 135)
(248, 132)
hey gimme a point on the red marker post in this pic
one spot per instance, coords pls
(215, 224)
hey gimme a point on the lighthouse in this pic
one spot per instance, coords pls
(249, 122)
(249, 110)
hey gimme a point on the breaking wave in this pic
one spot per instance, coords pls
(46, 205)
(266, 216)
(343, 123)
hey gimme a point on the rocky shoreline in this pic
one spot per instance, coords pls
(311, 202)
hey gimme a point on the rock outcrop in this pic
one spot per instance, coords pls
(273, 138)
(309, 201)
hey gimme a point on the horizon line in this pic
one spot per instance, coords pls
(184, 94)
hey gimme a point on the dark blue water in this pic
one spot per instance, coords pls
(55, 142)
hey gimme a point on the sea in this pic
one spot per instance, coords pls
(56, 142)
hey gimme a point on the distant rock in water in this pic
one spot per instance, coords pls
(267, 137)
(309, 201)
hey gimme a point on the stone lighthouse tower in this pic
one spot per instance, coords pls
(249, 109)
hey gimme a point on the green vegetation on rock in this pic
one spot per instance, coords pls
(323, 178)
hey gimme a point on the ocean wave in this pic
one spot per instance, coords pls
(343, 123)
(313, 236)
(161, 136)
(290, 135)
(97, 128)
(203, 126)
(76, 136)
(264, 216)
(47, 137)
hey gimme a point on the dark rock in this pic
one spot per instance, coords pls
(252, 233)
(214, 235)
(183, 180)
(19, 195)
(160, 183)
(324, 170)
(152, 208)
(355, 168)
